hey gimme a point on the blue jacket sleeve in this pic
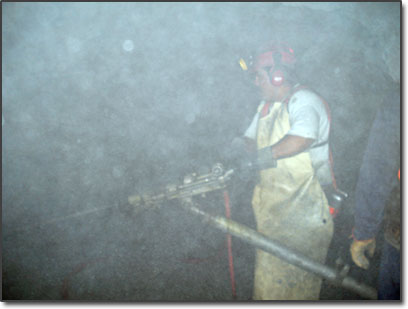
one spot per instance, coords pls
(378, 172)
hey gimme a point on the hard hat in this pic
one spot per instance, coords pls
(278, 59)
(267, 55)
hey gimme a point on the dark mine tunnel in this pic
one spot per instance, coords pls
(106, 101)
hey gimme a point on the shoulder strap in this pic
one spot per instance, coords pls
(265, 109)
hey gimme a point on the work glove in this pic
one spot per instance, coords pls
(265, 159)
(245, 159)
(257, 161)
(358, 249)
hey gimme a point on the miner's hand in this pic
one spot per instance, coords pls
(265, 159)
(358, 249)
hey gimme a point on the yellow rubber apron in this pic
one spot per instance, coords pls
(289, 207)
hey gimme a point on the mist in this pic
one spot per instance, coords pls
(101, 101)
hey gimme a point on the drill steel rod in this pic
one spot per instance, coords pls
(262, 242)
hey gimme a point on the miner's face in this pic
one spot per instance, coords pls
(267, 90)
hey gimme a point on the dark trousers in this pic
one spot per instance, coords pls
(389, 276)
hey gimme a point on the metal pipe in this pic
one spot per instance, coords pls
(291, 256)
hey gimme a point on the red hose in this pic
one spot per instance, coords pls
(229, 245)
(229, 242)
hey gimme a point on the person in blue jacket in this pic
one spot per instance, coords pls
(378, 177)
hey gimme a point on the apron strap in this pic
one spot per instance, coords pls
(265, 109)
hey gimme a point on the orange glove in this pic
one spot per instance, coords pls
(358, 249)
